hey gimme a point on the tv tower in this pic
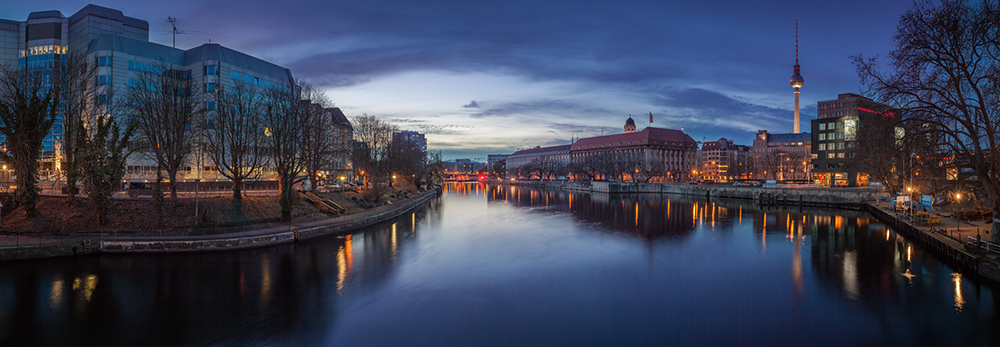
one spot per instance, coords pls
(797, 79)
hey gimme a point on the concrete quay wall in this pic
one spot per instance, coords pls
(288, 233)
(774, 195)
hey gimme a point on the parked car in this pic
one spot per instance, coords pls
(693, 183)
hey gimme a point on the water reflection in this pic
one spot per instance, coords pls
(639, 215)
(557, 268)
(276, 295)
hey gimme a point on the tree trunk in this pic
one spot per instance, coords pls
(172, 175)
(238, 190)
(71, 179)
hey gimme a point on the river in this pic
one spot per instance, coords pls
(505, 266)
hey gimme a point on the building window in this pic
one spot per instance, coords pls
(822, 126)
(840, 145)
(822, 137)
(102, 80)
(211, 70)
(840, 136)
(840, 125)
(210, 88)
(840, 155)
(830, 166)
(103, 61)
(830, 155)
(822, 146)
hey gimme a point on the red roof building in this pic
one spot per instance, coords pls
(665, 155)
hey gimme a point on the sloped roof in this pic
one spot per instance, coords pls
(215, 51)
(790, 137)
(208, 51)
(561, 149)
(340, 119)
(109, 13)
(146, 49)
(648, 136)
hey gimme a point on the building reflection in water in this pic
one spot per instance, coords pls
(848, 249)
(639, 215)
(285, 295)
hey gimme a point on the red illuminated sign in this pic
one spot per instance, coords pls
(887, 114)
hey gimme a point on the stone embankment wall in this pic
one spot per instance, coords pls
(776, 195)
(272, 235)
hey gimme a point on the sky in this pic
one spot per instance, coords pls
(492, 77)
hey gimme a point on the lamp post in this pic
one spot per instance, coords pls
(958, 198)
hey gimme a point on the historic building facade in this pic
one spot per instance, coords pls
(723, 161)
(782, 157)
(660, 155)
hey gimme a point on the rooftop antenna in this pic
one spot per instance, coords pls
(174, 31)
(173, 23)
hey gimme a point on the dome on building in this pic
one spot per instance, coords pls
(629, 125)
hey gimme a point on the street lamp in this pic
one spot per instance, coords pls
(958, 198)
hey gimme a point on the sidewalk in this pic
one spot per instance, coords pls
(954, 229)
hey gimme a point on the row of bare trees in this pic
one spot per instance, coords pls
(381, 154)
(596, 166)
(245, 129)
(93, 141)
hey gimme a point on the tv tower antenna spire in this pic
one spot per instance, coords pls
(796, 80)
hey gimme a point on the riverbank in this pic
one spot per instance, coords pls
(31, 247)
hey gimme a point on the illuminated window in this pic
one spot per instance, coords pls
(830, 155)
(840, 155)
(822, 146)
(822, 126)
(822, 137)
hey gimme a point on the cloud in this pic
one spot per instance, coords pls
(535, 107)
(472, 104)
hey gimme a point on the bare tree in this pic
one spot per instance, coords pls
(885, 152)
(235, 135)
(164, 104)
(282, 119)
(646, 170)
(29, 101)
(83, 101)
(319, 143)
(944, 76)
(372, 159)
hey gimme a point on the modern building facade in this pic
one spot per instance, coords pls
(120, 47)
(723, 161)
(412, 138)
(44, 42)
(834, 139)
(780, 157)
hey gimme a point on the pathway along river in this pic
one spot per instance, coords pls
(512, 266)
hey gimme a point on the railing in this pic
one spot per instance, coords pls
(988, 246)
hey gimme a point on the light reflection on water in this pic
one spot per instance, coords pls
(496, 265)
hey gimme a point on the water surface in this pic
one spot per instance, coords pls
(502, 266)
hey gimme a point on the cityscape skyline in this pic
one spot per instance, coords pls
(481, 79)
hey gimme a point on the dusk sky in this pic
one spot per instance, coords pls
(489, 77)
